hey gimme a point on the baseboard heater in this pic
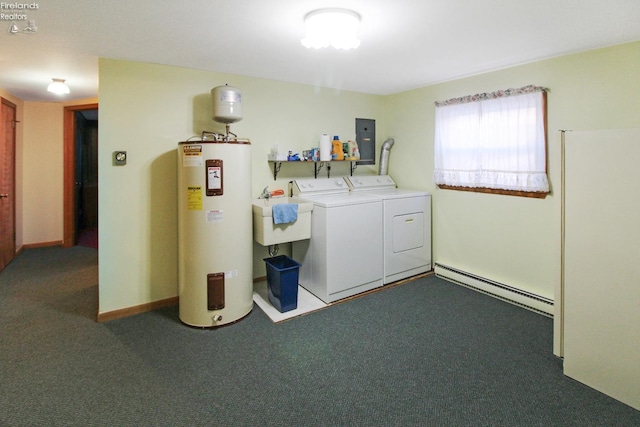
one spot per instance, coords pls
(504, 292)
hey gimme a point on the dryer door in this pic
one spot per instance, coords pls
(407, 237)
(408, 232)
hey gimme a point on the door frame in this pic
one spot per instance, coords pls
(69, 177)
(14, 107)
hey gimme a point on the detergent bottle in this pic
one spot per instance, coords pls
(337, 153)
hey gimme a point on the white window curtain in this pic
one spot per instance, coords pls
(492, 140)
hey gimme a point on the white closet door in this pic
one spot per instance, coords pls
(602, 262)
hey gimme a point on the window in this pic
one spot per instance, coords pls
(494, 141)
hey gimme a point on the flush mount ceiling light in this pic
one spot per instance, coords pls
(331, 27)
(58, 87)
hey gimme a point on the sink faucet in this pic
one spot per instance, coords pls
(265, 193)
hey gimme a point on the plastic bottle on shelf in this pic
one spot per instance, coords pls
(337, 153)
(353, 148)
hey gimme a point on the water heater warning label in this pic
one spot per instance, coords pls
(214, 175)
(192, 155)
(215, 215)
(194, 198)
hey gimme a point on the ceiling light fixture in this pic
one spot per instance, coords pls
(331, 27)
(58, 87)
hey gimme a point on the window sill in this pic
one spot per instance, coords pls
(529, 194)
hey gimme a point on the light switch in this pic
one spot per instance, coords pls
(119, 158)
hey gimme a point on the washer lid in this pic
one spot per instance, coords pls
(341, 199)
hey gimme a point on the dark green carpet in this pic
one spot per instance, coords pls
(427, 353)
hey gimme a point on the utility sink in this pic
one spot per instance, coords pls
(267, 233)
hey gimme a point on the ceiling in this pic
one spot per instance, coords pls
(405, 43)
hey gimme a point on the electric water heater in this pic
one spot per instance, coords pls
(215, 227)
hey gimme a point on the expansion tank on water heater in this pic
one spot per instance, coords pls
(215, 226)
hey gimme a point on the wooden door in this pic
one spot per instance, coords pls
(70, 180)
(7, 182)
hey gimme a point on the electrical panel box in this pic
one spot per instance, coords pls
(366, 139)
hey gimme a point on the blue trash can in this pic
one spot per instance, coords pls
(282, 281)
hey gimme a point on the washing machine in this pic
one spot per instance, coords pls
(344, 256)
(406, 225)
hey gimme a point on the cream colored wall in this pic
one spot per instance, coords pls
(146, 110)
(42, 179)
(514, 240)
(42, 172)
(19, 163)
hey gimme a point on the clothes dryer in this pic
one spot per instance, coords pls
(344, 256)
(406, 225)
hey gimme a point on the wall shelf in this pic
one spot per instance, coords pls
(317, 166)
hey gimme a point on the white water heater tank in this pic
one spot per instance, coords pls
(215, 232)
(227, 104)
